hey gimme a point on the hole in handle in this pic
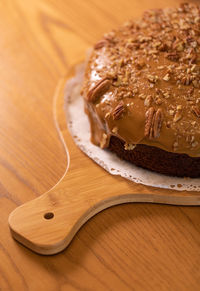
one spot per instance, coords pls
(48, 215)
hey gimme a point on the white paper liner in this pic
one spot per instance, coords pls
(79, 128)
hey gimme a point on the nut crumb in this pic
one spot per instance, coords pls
(152, 79)
(107, 115)
(177, 117)
(166, 77)
(194, 144)
(179, 107)
(115, 130)
(129, 146)
(148, 101)
(103, 140)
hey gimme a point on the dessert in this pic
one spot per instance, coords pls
(142, 91)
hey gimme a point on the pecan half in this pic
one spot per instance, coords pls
(173, 56)
(149, 121)
(100, 44)
(196, 111)
(118, 110)
(100, 88)
(153, 123)
(157, 123)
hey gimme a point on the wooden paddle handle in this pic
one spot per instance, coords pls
(48, 223)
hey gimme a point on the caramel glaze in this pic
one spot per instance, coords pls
(150, 63)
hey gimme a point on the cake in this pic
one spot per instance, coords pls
(142, 91)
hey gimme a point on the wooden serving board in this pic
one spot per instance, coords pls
(47, 224)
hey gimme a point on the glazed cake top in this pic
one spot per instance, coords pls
(142, 82)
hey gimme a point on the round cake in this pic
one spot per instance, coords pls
(142, 91)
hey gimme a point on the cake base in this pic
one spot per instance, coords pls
(157, 160)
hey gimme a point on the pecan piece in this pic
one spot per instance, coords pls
(177, 116)
(148, 101)
(184, 7)
(103, 141)
(152, 78)
(166, 77)
(153, 123)
(100, 88)
(196, 111)
(118, 110)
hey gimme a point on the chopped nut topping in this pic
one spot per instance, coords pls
(111, 75)
(179, 47)
(139, 65)
(166, 77)
(175, 145)
(147, 101)
(142, 96)
(195, 83)
(115, 130)
(118, 82)
(194, 144)
(152, 79)
(166, 95)
(158, 101)
(177, 116)
(107, 114)
(193, 68)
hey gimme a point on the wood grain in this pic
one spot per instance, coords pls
(127, 247)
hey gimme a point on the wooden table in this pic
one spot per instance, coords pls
(127, 247)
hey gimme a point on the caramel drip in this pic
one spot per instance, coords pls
(151, 63)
